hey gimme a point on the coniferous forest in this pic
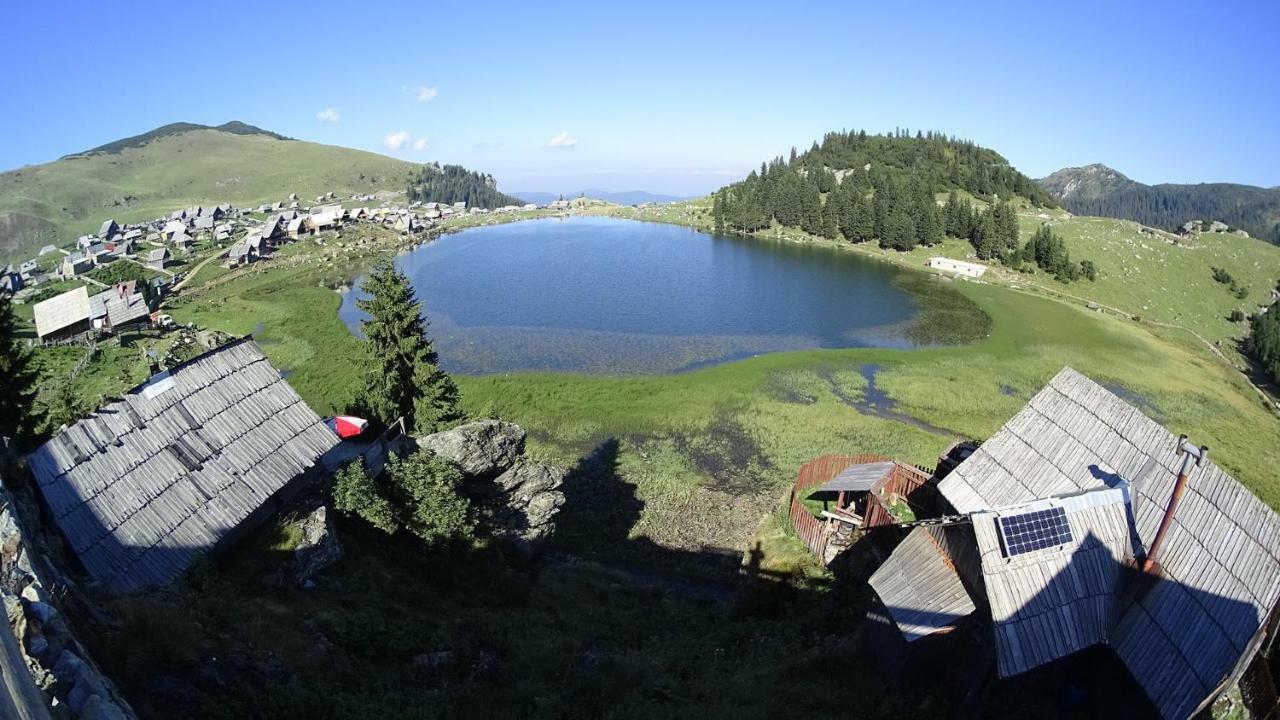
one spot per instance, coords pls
(454, 183)
(1252, 209)
(861, 187)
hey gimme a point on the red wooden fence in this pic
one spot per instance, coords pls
(812, 530)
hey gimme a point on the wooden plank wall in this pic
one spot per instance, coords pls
(816, 472)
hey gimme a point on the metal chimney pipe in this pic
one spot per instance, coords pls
(1190, 454)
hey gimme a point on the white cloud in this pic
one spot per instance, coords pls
(329, 115)
(395, 140)
(562, 140)
(424, 93)
(420, 144)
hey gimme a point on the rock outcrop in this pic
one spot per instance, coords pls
(318, 549)
(519, 496)
(75, 687)
(479, 449)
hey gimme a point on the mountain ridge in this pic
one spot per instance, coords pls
(173, 166)
(234, 127)
(1098, 189)
(621, 197)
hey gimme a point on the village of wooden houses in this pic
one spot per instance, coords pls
(191, 236)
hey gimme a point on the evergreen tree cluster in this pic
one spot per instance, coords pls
(1263, 343)
(18, 419)
(1049, 253)
(454, 183)
(1256, 210)
(993, 232)
(861, 187)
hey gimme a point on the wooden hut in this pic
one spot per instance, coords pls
(179, 467)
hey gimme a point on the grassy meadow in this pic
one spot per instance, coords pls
(56, 202)
(639, 609)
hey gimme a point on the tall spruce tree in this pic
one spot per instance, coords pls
(405, 379)
(18, 419)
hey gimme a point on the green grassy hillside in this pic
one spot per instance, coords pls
(58, 201)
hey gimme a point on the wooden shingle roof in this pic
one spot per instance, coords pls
(919, 587)
(1220, 564)
(1049, 603)
(149, 482)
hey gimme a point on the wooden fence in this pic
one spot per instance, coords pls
(812, 530)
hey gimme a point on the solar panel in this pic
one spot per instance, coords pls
(1034, 530)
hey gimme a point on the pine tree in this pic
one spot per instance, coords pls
(717, 211)
(900, 231)
(405, 379)
(863, 222)
(830, 226)
(18, 420)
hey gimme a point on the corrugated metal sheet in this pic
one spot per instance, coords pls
(153, 480)
(920, 588)
(1221, 560)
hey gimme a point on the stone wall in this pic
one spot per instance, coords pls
(63, 681)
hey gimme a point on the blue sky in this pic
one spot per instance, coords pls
(667, 97)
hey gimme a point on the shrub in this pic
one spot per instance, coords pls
(356, 493)
(420, 494)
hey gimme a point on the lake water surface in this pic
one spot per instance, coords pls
(602, 295)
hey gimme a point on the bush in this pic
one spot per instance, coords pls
(356, 493)
(420, 495)
(1088, 270)
(427, 489)
(1236, 316)
(1222, 276)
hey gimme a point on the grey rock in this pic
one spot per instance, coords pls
(481, 448)
(543, 507)
(319, 547)
(44, 612)
(528, 501)
(97, 708)
(67, 667)
(528, 478)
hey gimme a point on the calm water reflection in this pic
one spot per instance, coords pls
(613, 296)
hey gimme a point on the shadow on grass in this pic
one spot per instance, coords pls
(604, 623)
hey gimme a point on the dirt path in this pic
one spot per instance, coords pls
(196, 270)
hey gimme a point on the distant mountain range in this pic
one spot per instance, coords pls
(629, 197)
(1100, 190)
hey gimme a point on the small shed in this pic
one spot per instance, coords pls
(157, 258)
(62, 316)
(921, 599)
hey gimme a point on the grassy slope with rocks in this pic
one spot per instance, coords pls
(58, 201)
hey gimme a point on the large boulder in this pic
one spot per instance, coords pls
(480, 449)
(528, 501)
(319, 547)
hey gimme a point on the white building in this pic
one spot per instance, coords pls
(957, 267)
